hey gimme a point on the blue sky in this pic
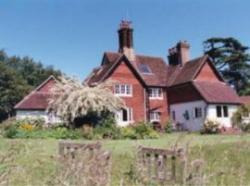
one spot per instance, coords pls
(72, 35)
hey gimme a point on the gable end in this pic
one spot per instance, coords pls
(208, 72)
(130, 66)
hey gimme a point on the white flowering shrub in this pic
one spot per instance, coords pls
(72, 99)
(211, 127)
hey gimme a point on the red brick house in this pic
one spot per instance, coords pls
(187, 91)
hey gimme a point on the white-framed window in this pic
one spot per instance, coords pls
(197, 112)
(155, 93)
(123, 90)
(154, 116)
(222, 111)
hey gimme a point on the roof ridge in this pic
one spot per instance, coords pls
(174, 74)
(107, 53)
(142, 55)
(139, 55)
(112, 66)
(197, 58)
(203, 61)
(45, 81)
(112, 52)
(221, 82)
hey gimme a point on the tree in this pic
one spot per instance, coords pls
(72, 99)
(12, 89)
(18, 77)
(33, 72)
(231, 59)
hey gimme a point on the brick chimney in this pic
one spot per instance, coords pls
(179, 54)
(125, 33)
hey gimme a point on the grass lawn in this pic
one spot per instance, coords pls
(227, 157)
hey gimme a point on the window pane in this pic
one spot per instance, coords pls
(225, 110)
(218, 111)
(122, 89)
(117, 89)
(159, 92)
(150, 115)
(128, 89)
(198, 112)
(154, 116)
(155, 92)
(144, 68)
(186, 115)
(150, 93)
(173, 115)
(157, 115)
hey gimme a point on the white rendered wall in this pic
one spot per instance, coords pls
(224, 121)
(193, 124)
(36, 114)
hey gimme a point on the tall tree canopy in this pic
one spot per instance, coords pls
(12, 89)
(18, 77)
(231, 59)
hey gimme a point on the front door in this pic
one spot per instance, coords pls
(124, 117)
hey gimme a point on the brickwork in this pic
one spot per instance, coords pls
(207, 74)
(123, 74)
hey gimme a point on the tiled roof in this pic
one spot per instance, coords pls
(162, 74)
(112, 56)
(158, 68)
(187, 72)
(217, 92)
(245, 100)
(38, 98)
(98, 73)
(172, 74)
(34, 101)
(156, 64)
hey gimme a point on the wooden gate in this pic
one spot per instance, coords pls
(156, 165)
(84, 164)
(68, 148)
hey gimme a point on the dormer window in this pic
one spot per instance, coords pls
(144, 69)
(123, 90)
(155, 93)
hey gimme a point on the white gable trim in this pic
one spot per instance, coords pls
(45, 82)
